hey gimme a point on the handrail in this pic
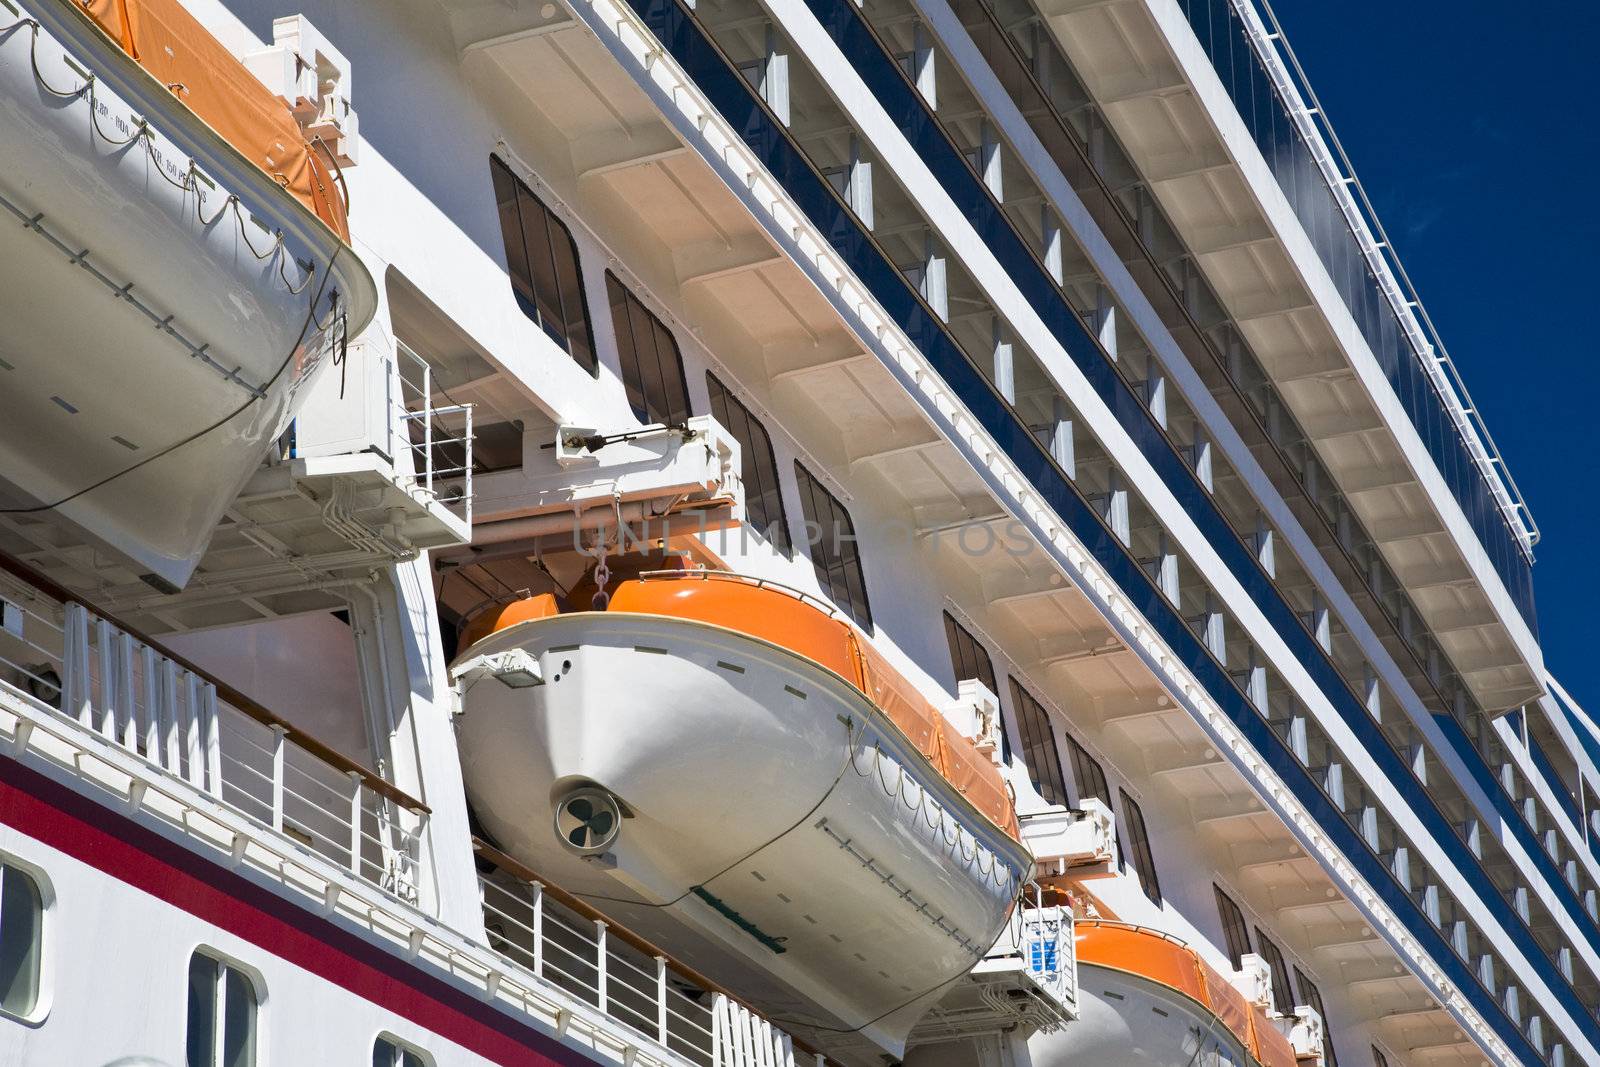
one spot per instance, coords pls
(1381, 255)
(517, 869)
(708, 573)
(250, 708)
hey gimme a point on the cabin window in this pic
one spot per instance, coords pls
(831, 541)
(1086, 772)
(1378, 1058)
(652, 366)
(1311, 998)
(1235, 934)
(222, 1014)
(390, 1051)
(969, 658)
(21, 941)
(763, 497)
(1039, 751)
(1282, 996)
(1138, 853)
(542, 259)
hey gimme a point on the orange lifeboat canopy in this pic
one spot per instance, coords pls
(180, 53)
(784, 618)
(1166, 961)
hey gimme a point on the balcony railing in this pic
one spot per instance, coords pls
(560, 940)
(63, 658)
(438, 436)
(1259, 71)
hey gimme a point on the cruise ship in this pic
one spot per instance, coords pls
(749, 533)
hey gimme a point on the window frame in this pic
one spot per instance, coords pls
(1023, 709)
(1283, 997)
(590, 360)
(630, 361)
(42, 900)
(1140, 856)
(750, 457)
(982, 667)
(1083, 761)
(849, 563)
(401, 1048)
(225, 965)
(1233, 921)
(1311, 997)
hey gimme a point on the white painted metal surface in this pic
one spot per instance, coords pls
(158, 332)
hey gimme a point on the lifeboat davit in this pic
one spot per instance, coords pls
(173, 268)
(1146, 999)
(730, 770)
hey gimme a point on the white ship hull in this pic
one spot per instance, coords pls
(766, 842)
(139, 415)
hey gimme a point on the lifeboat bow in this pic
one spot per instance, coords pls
(733, 772)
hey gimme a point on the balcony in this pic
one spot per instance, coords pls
(93, 697)
(1336, 335)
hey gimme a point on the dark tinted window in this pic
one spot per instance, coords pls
(221, 1028)
(1138, 853)
(763, 498)
(1378, 1058)
(1235, 933)
(542, 260)
(1282, 996)
(1087, 774)
(1039, 749)
(21, 944)
(652, 367)
(969, 658)
(1310, 997)
(831, 542)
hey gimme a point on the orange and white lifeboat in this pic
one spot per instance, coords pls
(733, 772)
(1145, 999)
(173, 268)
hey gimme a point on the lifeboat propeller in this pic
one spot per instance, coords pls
(588, 820)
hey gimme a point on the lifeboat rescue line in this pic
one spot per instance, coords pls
(730, 769)
(173, 269)
(1145, 999)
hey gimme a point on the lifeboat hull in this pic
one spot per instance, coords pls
(1128, 1021)
(1148, 1000)
(779, 834)
(149, 355)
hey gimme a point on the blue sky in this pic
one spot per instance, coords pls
(1471, 127)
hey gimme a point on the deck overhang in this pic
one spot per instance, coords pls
(1174, 117)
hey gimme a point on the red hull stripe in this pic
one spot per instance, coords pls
(56, 815)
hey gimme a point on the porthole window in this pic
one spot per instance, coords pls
(389, 1051)
(223, 1002)
(21, 941)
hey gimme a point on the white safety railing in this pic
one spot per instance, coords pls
(63, 658)
(439, 437)
(1268, 39)
(1038, 941)
(611, 970)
